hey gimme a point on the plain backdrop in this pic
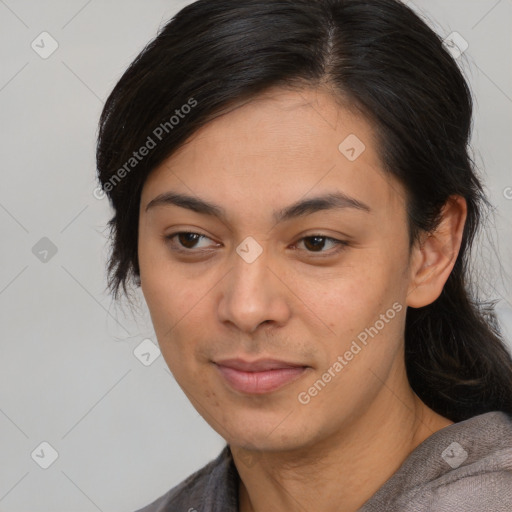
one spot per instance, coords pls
(116, 429)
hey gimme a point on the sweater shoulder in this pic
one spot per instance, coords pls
(490, 491)
(465, 466)
(214, 482)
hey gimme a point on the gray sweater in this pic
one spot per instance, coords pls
(465, 467)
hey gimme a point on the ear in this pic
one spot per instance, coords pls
(434, 255)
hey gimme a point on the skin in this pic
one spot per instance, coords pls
(298, 302)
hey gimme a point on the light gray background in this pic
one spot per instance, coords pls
(123, 431)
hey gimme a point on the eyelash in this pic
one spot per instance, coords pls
(341, 244)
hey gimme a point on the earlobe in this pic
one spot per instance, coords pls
(434, 255)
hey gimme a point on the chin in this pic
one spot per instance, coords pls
(274, 432)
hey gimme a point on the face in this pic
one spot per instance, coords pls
(274, 256)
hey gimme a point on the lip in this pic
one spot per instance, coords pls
(259, 377)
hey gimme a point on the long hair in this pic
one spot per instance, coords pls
(379, 57)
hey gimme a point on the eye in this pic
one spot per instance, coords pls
(186, 241)
(316, 243)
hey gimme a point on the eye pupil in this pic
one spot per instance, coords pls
(318, 242)
(188, 240)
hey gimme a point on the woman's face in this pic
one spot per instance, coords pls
(320, 289)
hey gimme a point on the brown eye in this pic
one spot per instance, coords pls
(316, 243)
(188, 240)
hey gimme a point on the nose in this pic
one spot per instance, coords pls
(253, 294)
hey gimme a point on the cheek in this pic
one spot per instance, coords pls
(181, 314)
(353, 296)
(352, 303)
(174, 305)
(167, 292)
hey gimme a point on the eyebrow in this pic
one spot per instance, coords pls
(331, 201)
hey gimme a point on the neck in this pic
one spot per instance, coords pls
(344, 470)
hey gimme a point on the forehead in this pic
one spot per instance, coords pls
(277, 148)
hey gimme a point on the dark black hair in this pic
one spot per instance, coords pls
(375, 55)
